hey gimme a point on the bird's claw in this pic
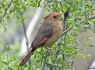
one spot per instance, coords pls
(49, 50)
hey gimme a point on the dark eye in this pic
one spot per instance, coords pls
(54, 16)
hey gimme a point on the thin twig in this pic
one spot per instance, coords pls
(5, 11)
(72, 26)
(27, 45)
(53, 65)
(43, 67)
(64, 24)
(66, 31)
(7, 56)
(44, 62)
(24, 29)
(63, 35)
(86, 16)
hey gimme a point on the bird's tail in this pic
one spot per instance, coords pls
(26, 58)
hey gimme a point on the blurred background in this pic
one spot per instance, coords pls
(13, 47)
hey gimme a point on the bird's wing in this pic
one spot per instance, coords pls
(44, 33)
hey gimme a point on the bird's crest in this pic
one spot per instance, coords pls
(47, 16)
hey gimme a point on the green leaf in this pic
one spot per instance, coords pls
(14, 58)
(88, 55)
(6, 63)
(89, 38)
(7, 48)
(90, 45)
(17, 66)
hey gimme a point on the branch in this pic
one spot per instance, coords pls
(24, 29)
(27, 45)
(66, 14)
(80, 23)
(43, 67)
(66, 31)
(5, 11)
(53, 65)
(88, 18)
(44, 63)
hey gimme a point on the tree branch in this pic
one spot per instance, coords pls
(64, 32)
(44, 63)
(27, 45)
(5, 11)
(53, 65)
(66, 14)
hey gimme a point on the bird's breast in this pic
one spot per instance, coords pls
(57, 31)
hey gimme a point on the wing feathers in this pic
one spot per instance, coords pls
(44, 33)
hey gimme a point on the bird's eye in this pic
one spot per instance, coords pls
(54, 16)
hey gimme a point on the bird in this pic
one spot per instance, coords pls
(49, 32)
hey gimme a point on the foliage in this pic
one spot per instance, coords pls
(68, 46)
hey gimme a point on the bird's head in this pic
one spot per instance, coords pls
(53, 16)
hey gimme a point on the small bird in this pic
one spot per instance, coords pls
(49, 32)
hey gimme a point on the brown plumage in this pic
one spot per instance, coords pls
(49, 32)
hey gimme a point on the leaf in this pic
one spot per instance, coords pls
(47, 8)
(88, 55)
(7, 48)
(85, 50)
(17, 66)
(29, 67)
(38, 60)
(77, 55)
(38, 3)
(5, 29)
(38, 69)
(83, 55)
(89, 38)
(5, 63)
(14, 58)
(90, 45)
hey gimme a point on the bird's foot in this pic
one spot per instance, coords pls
(49, 50)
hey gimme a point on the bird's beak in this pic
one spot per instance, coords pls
(59, 14)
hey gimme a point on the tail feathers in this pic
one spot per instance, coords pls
(26, 58)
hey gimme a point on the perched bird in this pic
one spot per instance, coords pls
(49, 32)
